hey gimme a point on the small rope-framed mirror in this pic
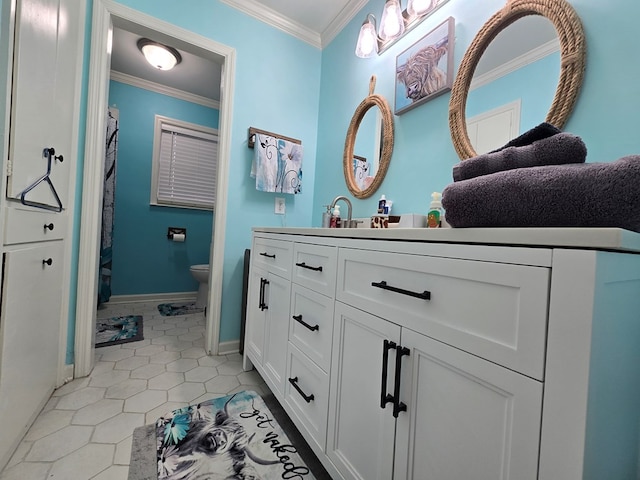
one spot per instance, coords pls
(386, 145)
(572, 63)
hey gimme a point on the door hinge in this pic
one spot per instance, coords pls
(9, 168)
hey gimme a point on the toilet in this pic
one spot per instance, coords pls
(201, 274)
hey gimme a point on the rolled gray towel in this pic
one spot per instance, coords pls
(538, 132)
(555, 150)
(572, 195)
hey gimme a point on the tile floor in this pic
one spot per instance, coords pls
(84, 431)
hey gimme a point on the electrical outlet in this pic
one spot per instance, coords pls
(279, 205)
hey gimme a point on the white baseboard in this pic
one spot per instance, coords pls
(153, 297)
(227, 348)
(67, 374)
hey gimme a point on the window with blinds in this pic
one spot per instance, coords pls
(185, 164)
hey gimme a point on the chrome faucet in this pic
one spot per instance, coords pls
(348, 223)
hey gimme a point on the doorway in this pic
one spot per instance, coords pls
(106, 14)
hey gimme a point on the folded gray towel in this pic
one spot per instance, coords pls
(555, 150)
(538, 132)
(572, 195)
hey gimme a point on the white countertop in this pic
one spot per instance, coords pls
(592, 238)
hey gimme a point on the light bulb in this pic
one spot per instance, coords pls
(419, 7)
(392, 23)
(367, 40)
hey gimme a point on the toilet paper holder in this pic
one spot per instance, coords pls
(171, 231)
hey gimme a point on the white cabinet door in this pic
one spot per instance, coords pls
(277, 291)
(466, 418)
(360, 432)
(256, 316)
(30, 334)
(47, 45)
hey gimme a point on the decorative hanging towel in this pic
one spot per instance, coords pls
(278, 165)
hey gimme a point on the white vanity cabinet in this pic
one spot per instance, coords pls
(469, 353)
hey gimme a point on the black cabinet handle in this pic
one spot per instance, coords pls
(383, 285)
(265, 254)
(48, 226)
(298, 318)
(384, 396)
(399, 406)
(307, 398)
(48, 261)
(304, 265)
(262, 305)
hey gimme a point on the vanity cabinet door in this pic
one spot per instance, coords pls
(361, 433)
(256, 316)
(277, 291)
(267, 328)
(466, 417)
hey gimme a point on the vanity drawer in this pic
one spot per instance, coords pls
(273, 255)
(34, 226)
(496, 311)
(308, 414)
(311, 324)
(314, 266)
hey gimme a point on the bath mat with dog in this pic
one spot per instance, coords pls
(235, 436)
(183, 308)
(115, 330)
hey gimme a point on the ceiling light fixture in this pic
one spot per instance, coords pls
(160, 56)
(394, 23)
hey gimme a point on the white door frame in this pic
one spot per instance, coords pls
(92, 188)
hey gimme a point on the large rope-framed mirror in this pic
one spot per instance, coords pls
(379, 140)
(572, 57)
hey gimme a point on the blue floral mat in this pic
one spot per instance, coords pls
(184, 308)
(115, 330)
(235, 436)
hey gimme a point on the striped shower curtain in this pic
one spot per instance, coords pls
(111, 153)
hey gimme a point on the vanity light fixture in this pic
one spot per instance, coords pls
(394, 23)
(159, 56)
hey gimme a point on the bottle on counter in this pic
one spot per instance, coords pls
(434, 216)
(336, 221)
(381, 204)
(326, 217)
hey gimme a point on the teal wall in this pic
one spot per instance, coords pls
(144, 260)
(605, 116)
(284, 85)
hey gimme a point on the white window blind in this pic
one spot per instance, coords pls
(187, 167)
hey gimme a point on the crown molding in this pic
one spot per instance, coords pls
(342, 19)
(163, 90)
(531, 56)
(275, 19)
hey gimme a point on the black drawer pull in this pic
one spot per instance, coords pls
(383, 285)
(48, 261)
(304, 265)
(298, 318)
(48, 226)
(307, 398)
(265, 254)
(399, 406)
(384, 396)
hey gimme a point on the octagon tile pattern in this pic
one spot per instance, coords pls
(84, 431)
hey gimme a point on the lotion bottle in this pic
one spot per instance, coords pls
(434, 217)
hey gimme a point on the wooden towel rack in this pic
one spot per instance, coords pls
(252, 137)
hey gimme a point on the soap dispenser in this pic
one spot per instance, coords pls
(326, 217)
(336, 221)
(434, 217)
